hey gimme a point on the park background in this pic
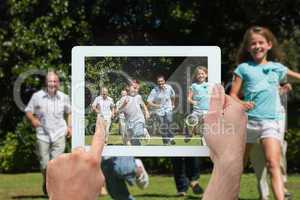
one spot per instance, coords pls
(39, 34)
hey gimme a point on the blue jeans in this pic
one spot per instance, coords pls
(118, 171)
(165, 122)
(185, 170)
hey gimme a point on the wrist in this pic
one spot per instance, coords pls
(34, 118)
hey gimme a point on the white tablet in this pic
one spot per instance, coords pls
(113, 67)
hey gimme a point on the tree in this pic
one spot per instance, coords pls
(39, 34)
(36, 35)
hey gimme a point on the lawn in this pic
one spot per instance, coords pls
(116, 139)
(27, 187)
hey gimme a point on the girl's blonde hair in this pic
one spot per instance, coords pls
(196, 72)
(274, 54)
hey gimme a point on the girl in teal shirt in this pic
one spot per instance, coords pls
(198, 97)
(258, 76)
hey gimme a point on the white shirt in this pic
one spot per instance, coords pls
(50, 111)
(104, 105)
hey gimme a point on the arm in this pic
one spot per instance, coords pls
(154, 105)
(94, 106)
(68, 111)
(234, 93)
(117, 108)
(35, 122)
(173, 97)
(150, 100)
(69, 123)
(113, 112)
(124, 102)
(173, 101)
(29, 110)
(112, 108)
(146, 112)
(190, 97)
(293, 74)
(95, 109)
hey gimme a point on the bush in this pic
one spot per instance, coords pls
(17, 153)
(293, 152)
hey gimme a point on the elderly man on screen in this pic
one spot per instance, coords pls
(104, 106)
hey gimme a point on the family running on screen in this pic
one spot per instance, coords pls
(257, 87)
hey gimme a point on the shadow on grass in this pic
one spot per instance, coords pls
(30, 197)
(155, 196)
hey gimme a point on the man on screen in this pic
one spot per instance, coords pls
(104, 106)
(161, 100)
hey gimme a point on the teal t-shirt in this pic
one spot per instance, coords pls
(260, 85)
(200, 95)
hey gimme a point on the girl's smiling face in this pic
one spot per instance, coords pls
(201, 76)
(258, 47)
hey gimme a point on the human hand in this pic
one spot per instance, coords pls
(78, 175)
(95, 109)
(173, 106)
(157, 105)
(248, 105)
(286, 88)
(126, 100)
(69, 132)
(194, 102)
(35, 122)
(224, 133)
(147, 115)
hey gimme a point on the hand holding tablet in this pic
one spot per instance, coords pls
(225, 132)
(78, 175)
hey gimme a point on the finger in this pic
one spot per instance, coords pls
(98, 139)
(217, 100)
(78, 150)
(230, 103)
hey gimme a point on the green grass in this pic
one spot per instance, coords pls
(28, 187)
(116, 139)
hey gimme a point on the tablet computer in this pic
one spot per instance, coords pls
(114, 68)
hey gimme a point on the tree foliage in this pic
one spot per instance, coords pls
(39, 34)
